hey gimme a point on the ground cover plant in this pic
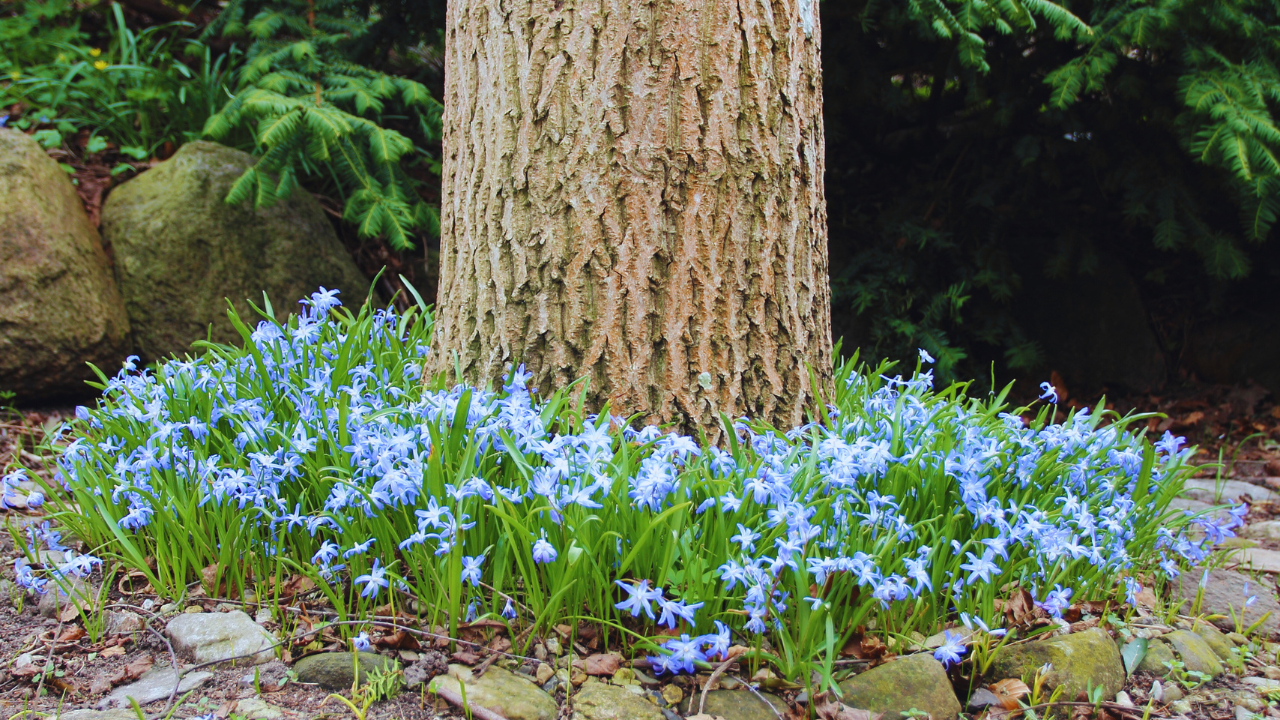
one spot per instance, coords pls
(319, 448)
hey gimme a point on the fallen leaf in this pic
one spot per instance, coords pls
(71, 634)
(829, 709)
(466, 658)
(399, 640)
(1009, 691)
(602, 664)
(114, 651)
(133, 670)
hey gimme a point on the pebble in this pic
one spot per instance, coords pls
(1123, 699)
(1243, 713)
(553, 646)
(544, 673)
(257, 709)
(1181, 707)
(263, 616)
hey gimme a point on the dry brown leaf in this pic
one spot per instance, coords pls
(1009, 691)
(829, 709)
(113, 651)
(399, 640)
(133, 670)
(466, 658)
(602, 664)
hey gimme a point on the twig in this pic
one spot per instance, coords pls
(173, 656)
(764, 700)
(715, 675)
(483, 713)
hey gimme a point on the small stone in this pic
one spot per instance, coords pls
(1271, 673)
(218, 637)
(672, 694)
(192, 609)
(1195, 654)
(272, 674)
(981, 699)
(1243, 713)
(1079, 661)
(1238, 639)
(263, 616)
(258, 709)
(154, 685)
(167, 608)
(1123, 699)
(578, 678)
(1180, 707)
(545, 673)
(1246, 699)
(77, 593)
(336, 671)
(601, 701)
(501, 691)
(913, 681)
(1172, 693)
(671, 714)
(1267, 530)
(553, 646)
(123, 623)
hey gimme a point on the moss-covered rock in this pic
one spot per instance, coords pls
(180, 250)
(913, 681)
(1077, 661)
(501, 691)
(742, 705)
(335, 671)
(1196, 654)
(597, 701)
(1158, 653)
(1214, 638)
(59, 304)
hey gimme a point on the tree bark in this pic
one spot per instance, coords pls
(633, 194)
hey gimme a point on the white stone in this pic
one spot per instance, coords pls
(216, 637)
(156, 684)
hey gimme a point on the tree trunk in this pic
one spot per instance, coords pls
(633, 194)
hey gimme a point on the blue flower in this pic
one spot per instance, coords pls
(543, 551)
(374, 581)
(639, 598)
(951, 649)
(509, 611)
(1048, 392)
(361, 642)
(471, 569)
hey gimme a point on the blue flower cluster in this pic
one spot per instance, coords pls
(322, 437)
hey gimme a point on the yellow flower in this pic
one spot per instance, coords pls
(101, 64)
(61, 58)
(15, 75)
(95, 52)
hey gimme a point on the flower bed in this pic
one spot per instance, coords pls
(317, 449)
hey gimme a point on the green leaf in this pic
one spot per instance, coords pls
(1132, 653)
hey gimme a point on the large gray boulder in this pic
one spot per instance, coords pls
(180, 249)
(59, 304)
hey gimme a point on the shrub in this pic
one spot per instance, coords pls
(143, 89)
(318, 449)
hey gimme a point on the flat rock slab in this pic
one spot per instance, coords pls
(218, 637)
(910, 682)
(1225, 593)
(1254, 558)
(98, 715)
(1225, 492)
(155, 685)
(1266, 530)
(1079, 660)
(598, 701)
(504, 692)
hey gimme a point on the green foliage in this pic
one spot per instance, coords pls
(142, 89)
(312, 111)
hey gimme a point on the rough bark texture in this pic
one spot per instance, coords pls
(633, 193)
